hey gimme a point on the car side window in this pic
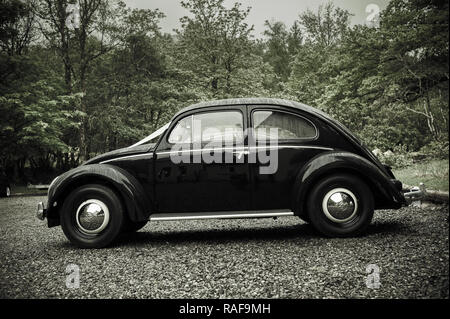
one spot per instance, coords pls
(218, 127)
(288, 126)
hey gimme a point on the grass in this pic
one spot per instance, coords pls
(434, 174)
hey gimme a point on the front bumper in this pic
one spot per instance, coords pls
(41, 212)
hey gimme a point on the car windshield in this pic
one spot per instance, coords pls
(152, 137)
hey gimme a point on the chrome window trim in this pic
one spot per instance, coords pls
(202, 112)
(127, 157)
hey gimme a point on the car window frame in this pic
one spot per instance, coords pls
(173, 128)
(293, 140)
(244, 136)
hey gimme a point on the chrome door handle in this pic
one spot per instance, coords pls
(239, 154)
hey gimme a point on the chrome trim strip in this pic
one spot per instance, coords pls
(248, 148)
(294, 146)
(127, 157)
(222, 215)
(238, 148)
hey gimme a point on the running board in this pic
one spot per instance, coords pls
(222, 215)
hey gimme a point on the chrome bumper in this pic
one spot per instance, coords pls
(415, 194)
(41, 211)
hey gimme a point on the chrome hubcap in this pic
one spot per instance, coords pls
(92, 216)
(340, 205)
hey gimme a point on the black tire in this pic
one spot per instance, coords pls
(73, 229)
(349, 225)
(131, 227)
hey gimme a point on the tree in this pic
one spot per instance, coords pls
(314, 63)
(415, 61)
(81, 32)
(277, 53)
(215, 46)
(326, 27)
(16, 26)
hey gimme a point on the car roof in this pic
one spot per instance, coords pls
(255, 101)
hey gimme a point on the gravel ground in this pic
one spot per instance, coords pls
(262, 258)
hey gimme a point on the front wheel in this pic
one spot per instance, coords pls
(92, 216)
(340, 206)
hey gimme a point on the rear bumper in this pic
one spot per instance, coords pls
(415, 194)
(409, 196)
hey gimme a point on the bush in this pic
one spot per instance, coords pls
(396, 160)
(436, 149)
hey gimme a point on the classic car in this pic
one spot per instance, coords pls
(235, 158)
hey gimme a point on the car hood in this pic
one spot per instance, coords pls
(140, 149)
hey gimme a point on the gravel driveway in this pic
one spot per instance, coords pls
(262, 258)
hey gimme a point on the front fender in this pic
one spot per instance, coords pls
(135, 199)
(385, 192)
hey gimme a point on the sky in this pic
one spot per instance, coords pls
(286, 11)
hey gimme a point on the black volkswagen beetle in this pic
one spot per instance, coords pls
(236, 158)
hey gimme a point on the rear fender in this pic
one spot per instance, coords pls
(385, 193)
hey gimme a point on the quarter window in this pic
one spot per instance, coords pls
(284, 126)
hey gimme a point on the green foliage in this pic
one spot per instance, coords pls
(387, 84)
(35, 121)
(215, 47)
(436, 149)
(396, 159)
(69, 93)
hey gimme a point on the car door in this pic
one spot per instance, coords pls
(201, 164)
(284, 141)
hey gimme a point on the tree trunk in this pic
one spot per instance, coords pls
(430, 117)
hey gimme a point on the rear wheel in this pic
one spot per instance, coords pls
(340, 205)
(92, 216)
